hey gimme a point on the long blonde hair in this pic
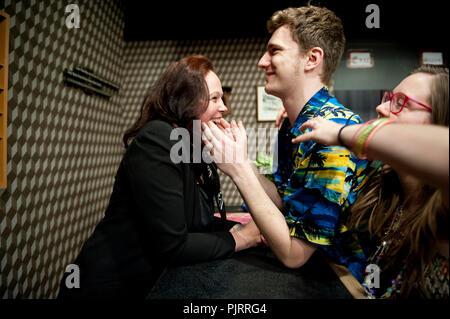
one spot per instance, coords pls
(414, 243)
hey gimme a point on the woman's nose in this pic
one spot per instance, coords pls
(223, 108)
(384, 109)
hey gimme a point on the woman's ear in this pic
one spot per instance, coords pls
(314, 58)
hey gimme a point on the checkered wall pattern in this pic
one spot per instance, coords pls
(64, 146)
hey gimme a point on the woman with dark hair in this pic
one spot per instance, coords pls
(160, 212)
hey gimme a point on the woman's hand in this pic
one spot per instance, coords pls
(227, 146)
(282, 114)
(247, 236)
(322, 131)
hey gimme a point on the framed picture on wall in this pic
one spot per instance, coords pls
(267, 106)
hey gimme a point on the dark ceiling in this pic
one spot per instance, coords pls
(402, 21)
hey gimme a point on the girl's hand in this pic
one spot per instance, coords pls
(322, 131)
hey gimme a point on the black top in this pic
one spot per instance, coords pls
(153, 220)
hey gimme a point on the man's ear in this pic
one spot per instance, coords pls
(315, 58)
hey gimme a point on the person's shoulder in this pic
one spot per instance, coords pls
(157, 127)
(154, 132)
(335, 111)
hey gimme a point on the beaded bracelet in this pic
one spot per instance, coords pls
(361, 139)
(372, 133)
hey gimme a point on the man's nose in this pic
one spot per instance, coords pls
(264, 61)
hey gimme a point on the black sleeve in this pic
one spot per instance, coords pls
(157, 186)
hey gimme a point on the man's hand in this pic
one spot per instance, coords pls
(227, 146)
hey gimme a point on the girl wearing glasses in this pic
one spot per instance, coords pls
(404, 207)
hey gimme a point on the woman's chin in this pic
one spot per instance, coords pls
(214, 120)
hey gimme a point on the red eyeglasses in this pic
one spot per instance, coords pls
(398, 101)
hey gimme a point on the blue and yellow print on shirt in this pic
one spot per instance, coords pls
(318, 182)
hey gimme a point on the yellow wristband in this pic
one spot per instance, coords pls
(360, 141)
(372, 133)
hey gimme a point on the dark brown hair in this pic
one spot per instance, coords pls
(311, 27)
(178, 97)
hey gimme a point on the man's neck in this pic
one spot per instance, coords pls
(296, 100)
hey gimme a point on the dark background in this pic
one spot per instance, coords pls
(415, 24)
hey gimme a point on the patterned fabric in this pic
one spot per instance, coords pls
(436, 280)
(317, 183)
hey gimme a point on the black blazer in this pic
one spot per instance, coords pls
(153, 220)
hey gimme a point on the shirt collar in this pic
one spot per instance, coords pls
(310, 109)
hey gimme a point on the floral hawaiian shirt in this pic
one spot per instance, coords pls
(318, 182)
